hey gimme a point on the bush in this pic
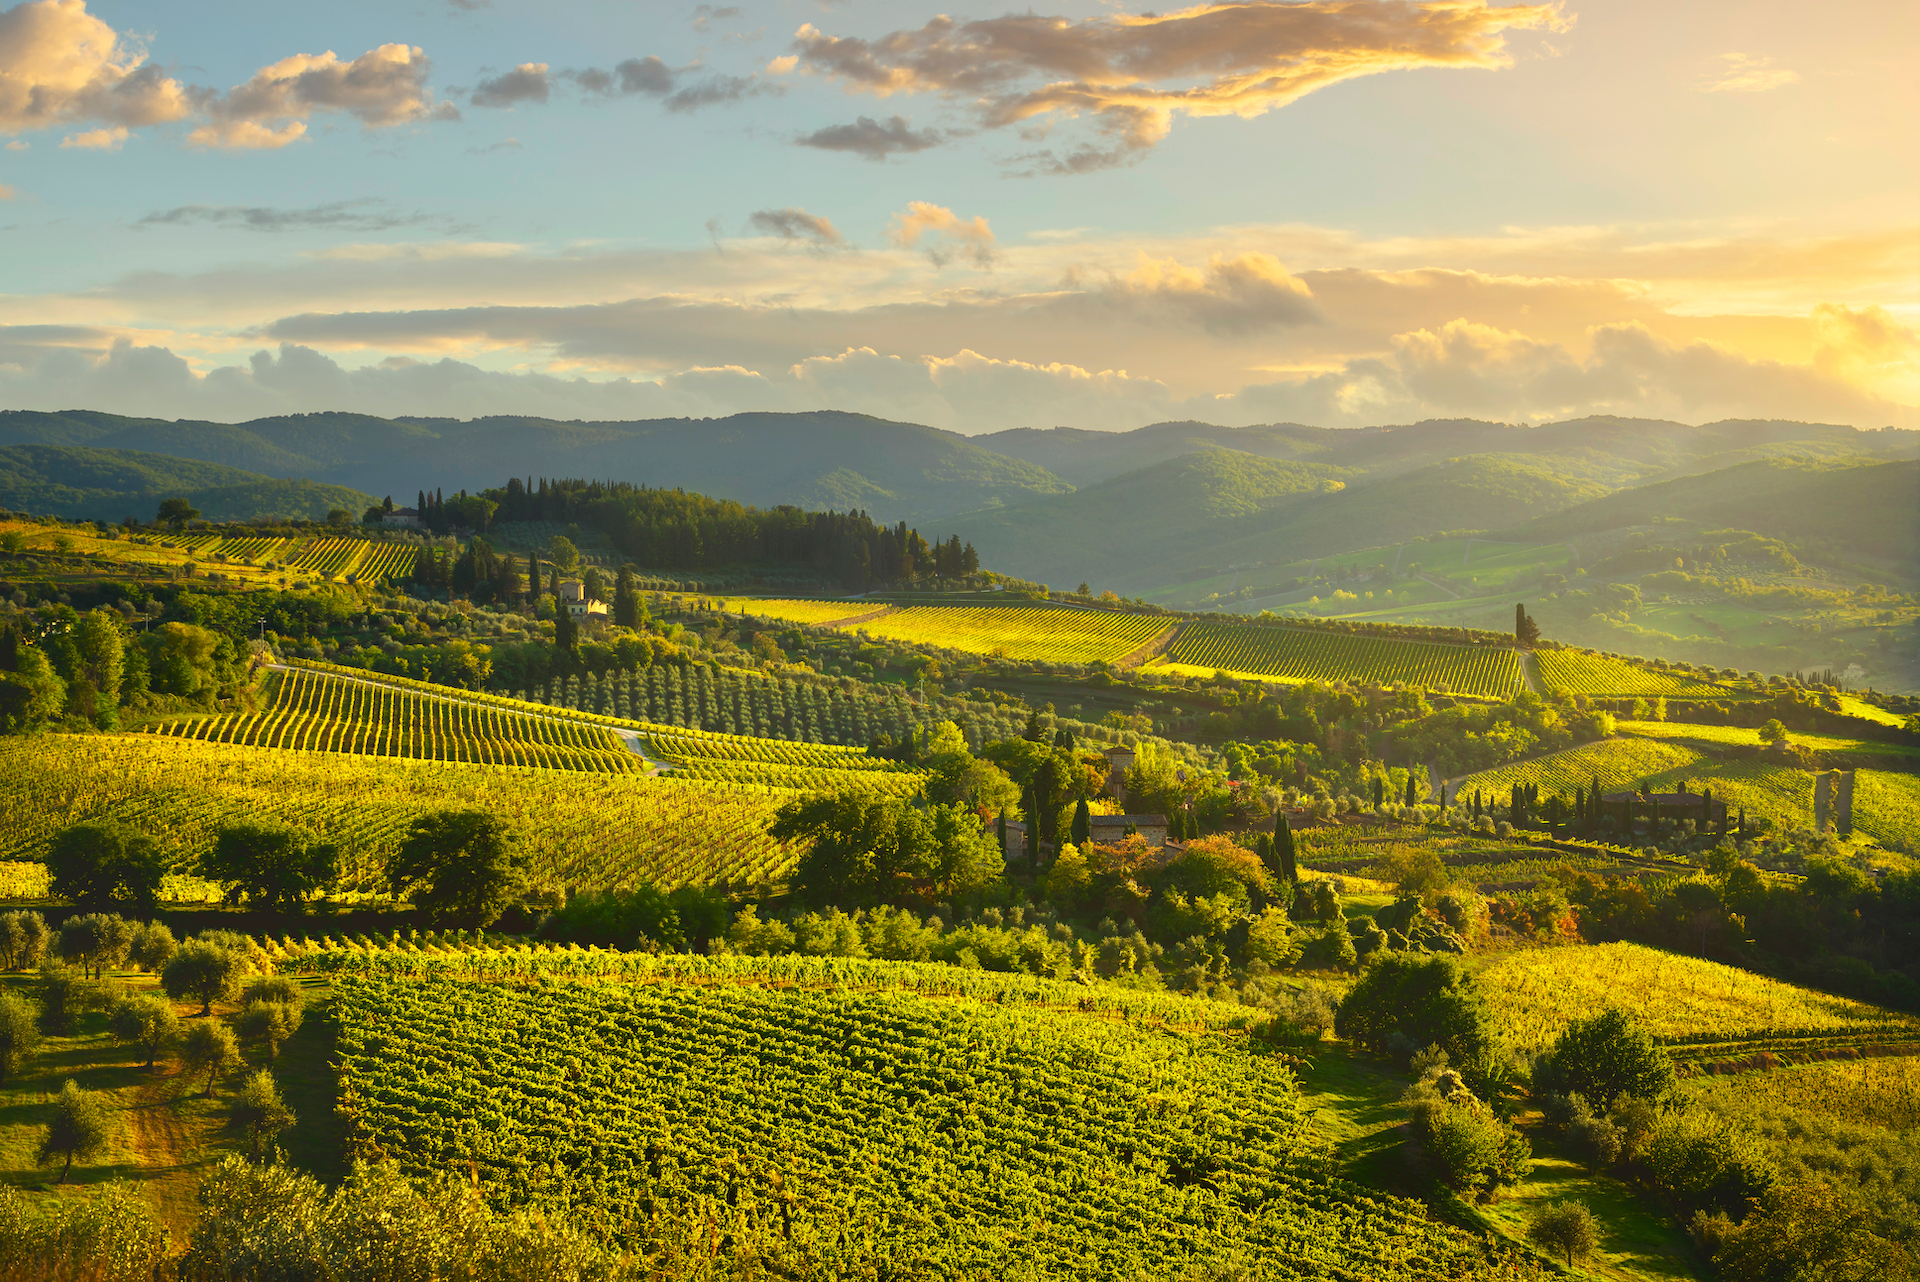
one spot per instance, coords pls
(1470, 1148)
(1706, 1165)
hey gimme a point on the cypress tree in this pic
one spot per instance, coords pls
(1082, 823)
(626, 602)
(1379, 792)
(1409, 800)
(1283, 848)
(1000, 830)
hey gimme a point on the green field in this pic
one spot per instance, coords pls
(1294, 654)
(588, 830)
(947, 1137)
(1037, 634)
(1577, 672)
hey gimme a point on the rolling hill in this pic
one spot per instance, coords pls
(108, 484)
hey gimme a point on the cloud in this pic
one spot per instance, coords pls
(1132, 74)
(382, 87)
(1234, 295)
(98, 139)
(505, 144)
(650, 77)
(1748, 74)
(970, 238)
(525, 83)
(364, 214)
(705, 15)
(871, 140)
(796, 224)
(60, 65)
(17, 145)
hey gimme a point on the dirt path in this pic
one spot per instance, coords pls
(1527, 673)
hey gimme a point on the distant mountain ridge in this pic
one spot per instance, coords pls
(108, 484)
(1131, 509)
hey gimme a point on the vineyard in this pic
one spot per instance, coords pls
(312, 712)
(326, 556)
(1701, 1009)
(945, 1138)
(594, 830)
(1288, 654)
(1038, 635)
(1579, 672)
(813, 613)
(773, 763)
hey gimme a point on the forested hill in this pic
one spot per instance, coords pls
(109, 484)
(906, 471)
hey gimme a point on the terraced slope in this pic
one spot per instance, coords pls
(1033, 634)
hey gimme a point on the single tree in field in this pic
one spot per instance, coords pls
(153, 947)
(207, 1046)
(268, 1023)
(1525, 630)
(146, 1021)
(1773, 731)
(203, 971)
(95, 864)
(81, 1128)
(19, 1035)
(259, 1111)
(176, 513)
(1564, 1228)
(459, 867)
(271, 866)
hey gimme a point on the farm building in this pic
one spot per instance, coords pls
(573, 595)
(1103, 830)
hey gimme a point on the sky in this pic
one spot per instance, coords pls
(1096, 215)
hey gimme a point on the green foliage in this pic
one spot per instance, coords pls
(1309, 655)
(868, 848)
(96, 941)
(1604, 1059)
(1565, 1229)
(19, 1035)
(153, 947)
(1404, 1003)
(146, 1021)
(207, 1046)
(268, 1023)
(1469, 1148)
(269, 865)
(109, 1236)
(23, 939)
(460, 867)
(204, 971)
(104, 862)
(81, 1127)
(1813, 1232)
(259, 1113)
(31, 692)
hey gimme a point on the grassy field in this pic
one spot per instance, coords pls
(1298, 654)
(1036, 634)
(1700, 1008)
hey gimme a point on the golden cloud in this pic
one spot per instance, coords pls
(1134, 73)
(60, 65)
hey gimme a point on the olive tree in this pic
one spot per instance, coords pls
(1564, 1228)
(146, 1021)
(208, 1047)
(259, 1112)
(19, 1035)
(459, 867)
(203, 971)
(81, 1127)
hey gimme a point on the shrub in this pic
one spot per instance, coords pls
(1469, 1147)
